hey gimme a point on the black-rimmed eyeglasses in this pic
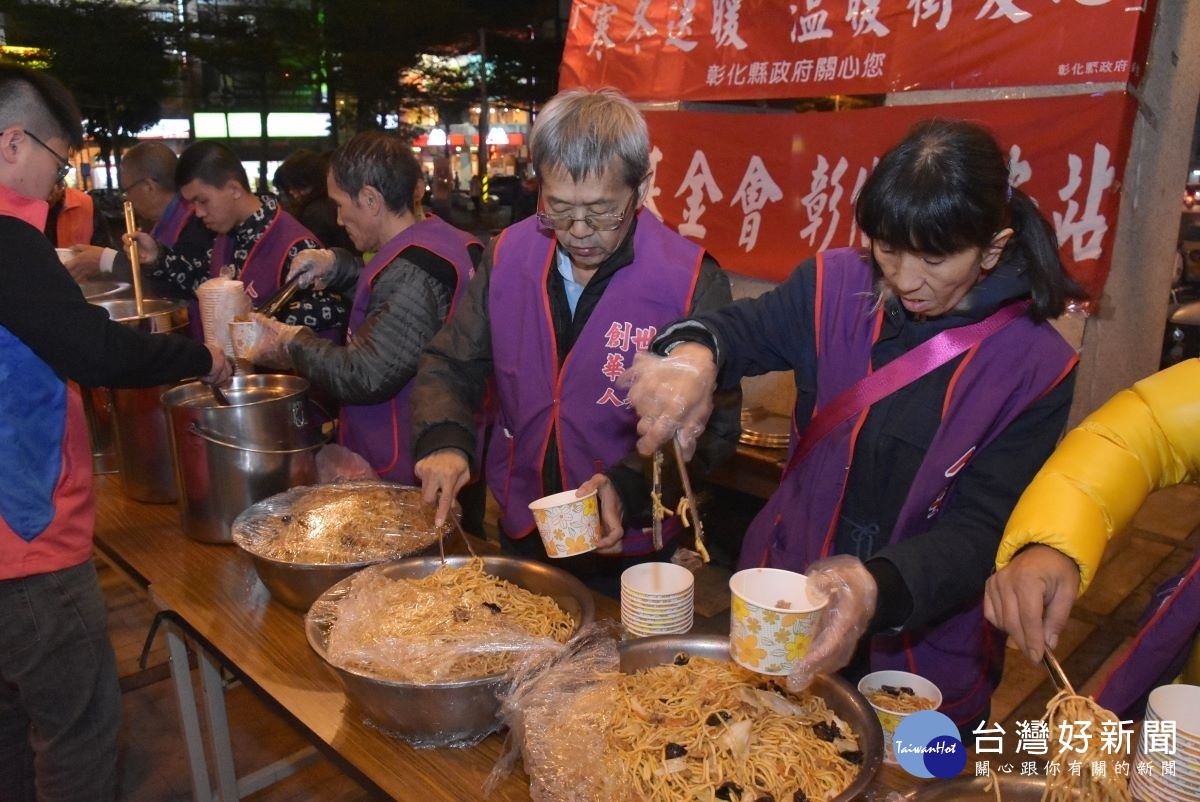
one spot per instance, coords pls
(596, 222)
(126, 190)
(64, 164)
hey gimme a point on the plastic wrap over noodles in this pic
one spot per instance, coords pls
(698, 729)
(458, 623)
(338, 524)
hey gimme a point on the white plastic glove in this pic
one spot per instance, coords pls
(850, 592)
(271, 338)
(314, 267)
(671, 394)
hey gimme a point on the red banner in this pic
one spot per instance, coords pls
(656, 50)
(764, 191)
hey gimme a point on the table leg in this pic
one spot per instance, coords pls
(185, 694)
(213, 689)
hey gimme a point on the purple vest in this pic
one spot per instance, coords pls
(995, 382)
(263, 269)
(594, 425)
(1161, 647)
(175, 217)
(380, 432)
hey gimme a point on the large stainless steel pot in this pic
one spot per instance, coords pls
(143, 451)
(228, 457)
(444, 713)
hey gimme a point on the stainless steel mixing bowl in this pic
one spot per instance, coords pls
(443, 713)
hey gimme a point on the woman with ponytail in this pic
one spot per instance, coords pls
(929, 390)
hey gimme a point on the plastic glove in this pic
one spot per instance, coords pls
(147, 247)
(850, 593)
(314, 267)
(339, 464)
(271, 338)
(442, 474)
(1031, 598)
(84, 264)
(612, 512)
(671, 395)
(221, 369)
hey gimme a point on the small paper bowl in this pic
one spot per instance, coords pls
(890, 719)
(65, 254)
(764, 635)
(569, 525)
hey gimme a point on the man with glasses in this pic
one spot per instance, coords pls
(178, 237)
(560, 305)
(60, 700)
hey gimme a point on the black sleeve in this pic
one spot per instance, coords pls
(947, 566)
(42, 306)
(452, 374)
(753, 336)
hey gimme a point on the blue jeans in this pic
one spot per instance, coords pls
(60, 700)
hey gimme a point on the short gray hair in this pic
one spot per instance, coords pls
(583, 130)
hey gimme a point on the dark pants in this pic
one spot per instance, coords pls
(60, 701)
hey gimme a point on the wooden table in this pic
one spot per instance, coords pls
(212, 594)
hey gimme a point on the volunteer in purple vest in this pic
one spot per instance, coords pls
(147, 178)
(1143, 439)
(255, 240)
(60, 699)
(561, 303)
(895, 507)
(401, 297)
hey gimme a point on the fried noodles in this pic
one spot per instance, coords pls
(1063, 711)
(455, 624)
(703, 729)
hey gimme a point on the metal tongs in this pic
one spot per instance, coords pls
(692, 506)
(281, 297)
(461, 533)
(1057, 675)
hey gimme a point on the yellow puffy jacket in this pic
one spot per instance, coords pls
(1144, 438)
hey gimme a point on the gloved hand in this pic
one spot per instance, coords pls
(147, 247)
(672, 395)
(850, 593)
(84, 263)
(221, 368)
(271, 338)
(314, 267)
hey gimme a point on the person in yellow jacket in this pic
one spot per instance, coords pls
(1144, 438)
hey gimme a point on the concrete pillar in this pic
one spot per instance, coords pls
(1123, 342)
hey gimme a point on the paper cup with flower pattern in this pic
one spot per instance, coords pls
(568, 525)
(920, 693)
(772, 619)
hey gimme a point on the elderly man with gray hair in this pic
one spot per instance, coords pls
(560, 305)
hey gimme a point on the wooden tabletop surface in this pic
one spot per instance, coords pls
(214, 592)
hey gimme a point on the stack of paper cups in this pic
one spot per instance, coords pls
(221, 301)
(657, 599)
(1166, 766)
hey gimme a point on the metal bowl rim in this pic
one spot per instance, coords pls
(310, 627)
(870, 765)
(238, 537)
